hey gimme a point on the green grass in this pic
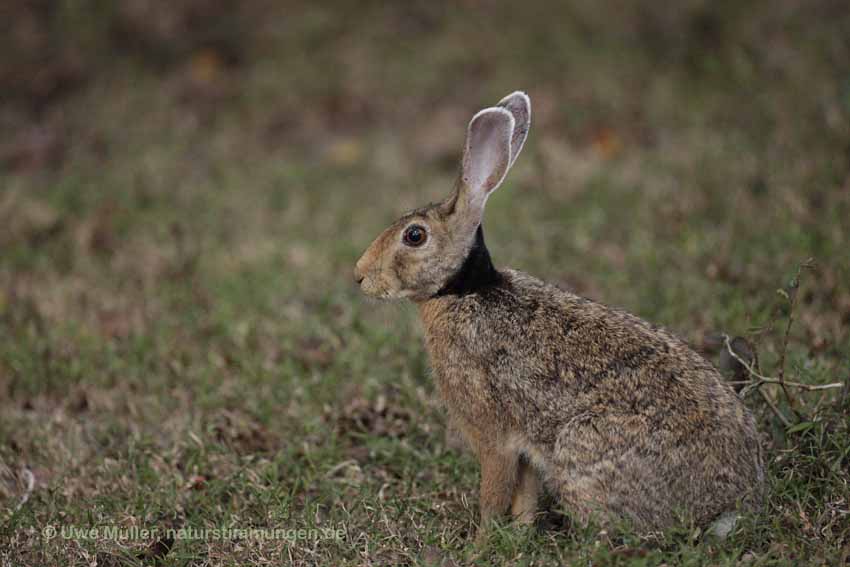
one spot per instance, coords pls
(181, 344)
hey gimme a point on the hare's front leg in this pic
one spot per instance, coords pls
(524, 502)
(499, 473)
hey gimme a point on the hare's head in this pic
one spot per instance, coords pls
(420, 253)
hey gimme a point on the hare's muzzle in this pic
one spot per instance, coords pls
(358, 274)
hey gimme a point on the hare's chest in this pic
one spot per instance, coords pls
(455, 366)
(467, 393)
(463, 374)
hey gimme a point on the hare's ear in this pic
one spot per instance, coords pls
(487, 155)
(519, 105)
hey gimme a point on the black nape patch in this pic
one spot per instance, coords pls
(476, 273)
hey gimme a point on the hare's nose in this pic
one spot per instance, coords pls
(362, 268)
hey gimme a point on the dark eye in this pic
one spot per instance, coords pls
(415, 235)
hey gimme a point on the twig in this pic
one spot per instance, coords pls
(727, 341)
(785, 421)
(760, 380)
(766, 379)
(807, 387)
(792, 302)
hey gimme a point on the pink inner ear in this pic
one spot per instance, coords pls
(519, 105)
(488, 150)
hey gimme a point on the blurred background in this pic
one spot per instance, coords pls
(185, 186)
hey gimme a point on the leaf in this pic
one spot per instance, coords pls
(800, 427)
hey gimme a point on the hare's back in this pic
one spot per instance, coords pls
(639, 413)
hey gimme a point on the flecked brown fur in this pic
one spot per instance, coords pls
(616, 417)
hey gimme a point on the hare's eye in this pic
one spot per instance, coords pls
(415, 235)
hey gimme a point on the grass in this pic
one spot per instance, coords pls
(181, 344)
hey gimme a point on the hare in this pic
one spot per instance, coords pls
(617, 418)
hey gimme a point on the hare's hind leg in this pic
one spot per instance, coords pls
(524, 501)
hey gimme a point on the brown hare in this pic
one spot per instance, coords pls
(618, 418)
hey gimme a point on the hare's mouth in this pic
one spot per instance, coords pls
(373, 289)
